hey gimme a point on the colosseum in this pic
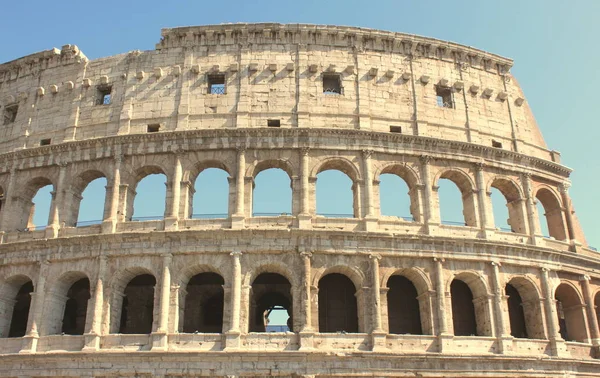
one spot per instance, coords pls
(368, 295)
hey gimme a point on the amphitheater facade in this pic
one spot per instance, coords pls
(368, 295)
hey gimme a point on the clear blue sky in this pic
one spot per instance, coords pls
(552, 42)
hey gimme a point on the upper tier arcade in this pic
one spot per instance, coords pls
(243, 75)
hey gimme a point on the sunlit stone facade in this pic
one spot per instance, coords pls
(368, 295)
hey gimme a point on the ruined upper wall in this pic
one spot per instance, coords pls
(271, 72)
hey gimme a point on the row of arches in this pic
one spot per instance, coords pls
(273, 192)
(202, 303)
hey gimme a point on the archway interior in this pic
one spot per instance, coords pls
(500, 210)
(271, 304)
(516, 313)
(597, 306)
(204, 302)
(272, 193)
(138, 305)
(335, 195)
(211, 194)
(91, 207)
(393, 196)
(403, 307)
(463, 309)
(337, 304)
(40, 211)
(76, 308)
(451, 203)
(20, 313)
(553, 214)
(150, 195)
(569, 309)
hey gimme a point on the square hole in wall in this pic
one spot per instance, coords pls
(444, 97)
(153, 128)
(273, 123)
(103, 95)
(332, 83)
(496, 144)
(10, 114)
(396, 129)
(216, 83)
(45, 142)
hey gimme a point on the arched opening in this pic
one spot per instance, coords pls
(271, 304)
(211, 194)
(507, 205)
(456, 199)
(76, 308)
(337, 304)
(335, 194)
(404, 315)
(272, 193)
(597, 306)
(89, 208)
(20, 311)
(392, 197)
(516, 314)
(552, 211)
(463, 309)
(570, 311)
(524, 309)
(150, 195)
(37, 214)
(204, 302)
(138, 305)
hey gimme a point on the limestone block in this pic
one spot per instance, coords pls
(54, 89)
(158, 72)
(139, 75)
(41, 91)
(104, 79)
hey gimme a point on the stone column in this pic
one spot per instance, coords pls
(306, 333)
(444, 338)
(566, 204)
(430, 218)
(93, 333)
(171, 221)
(485, 223)
(377, 332)
(534, 229)
(591, 311)
(159, 338)
(557, 345)
(499, 299)
(304, 218)
(7, 207)
(36, 309)
(370, 219)
(237, 219)
(109, 224)
(57, 207)
(232, 337)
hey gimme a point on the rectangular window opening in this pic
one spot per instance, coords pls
(332, 84)
(104, 95)
(396, 129)
(45, 142)
(216, 84)
(10, 114)
(153, 128)
(496, 144)
(444, 97)
(273, 123)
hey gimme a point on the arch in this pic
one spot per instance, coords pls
(67, 309)
(338, 310)
(270, 292)
(272, 192)
(513, 197)
(404, 314)
(339, 164)
(524, 309)
(410, 178)
(118, 287)
(133, 194)
(210, 200)
(354, 274)
(470, 308)
(277, 268)
(416, 275)
(203, 304)
(259, 166)
(200, 167)
(25, 203)
(403, 171)
(466, 186)
(570, 309)
(15, 303)
(553, 212)
(137, 310)
(77, 199)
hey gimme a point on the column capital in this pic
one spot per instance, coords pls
(425, 159)
(306, 254)
(375, 256)
(167, 256)
(236, 254)
(479, 166)
(564, 187)
(304, 151)
(546, 270)
(585, 277)
(240, 149)
(496, 263)
(439, 259)
(367, 153)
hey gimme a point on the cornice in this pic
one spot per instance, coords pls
(341, 36)
(32, 64)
